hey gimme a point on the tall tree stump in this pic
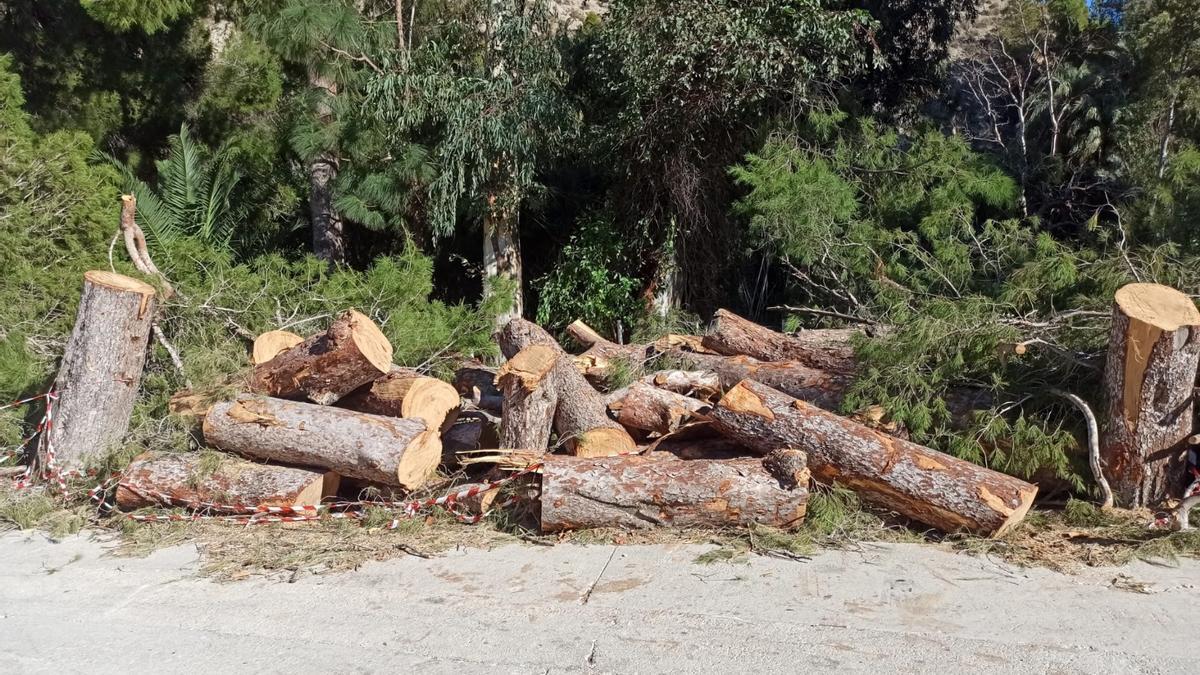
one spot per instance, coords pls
(329, 365)
(1149, 381)
(101, 368)
(530, 398)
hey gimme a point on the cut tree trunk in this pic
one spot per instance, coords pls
(584, 334)
(1149, 380)
(101, 370)
(950, 494)
(477, 383)
(581, 418)
(231, 485)
(827, 349)
(530, 398)
(271, 344)
(647, 408)
(701, 384)
(386, 450)
(404, 392)
(638, 492)
(329, 365)
(821, 387)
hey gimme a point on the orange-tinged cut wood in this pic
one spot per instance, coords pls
(406, 393)
(271, 344)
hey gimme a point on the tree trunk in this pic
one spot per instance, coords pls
(530, 398)
(701, 384)
(271, 344)
(328, 237)
(385, 450)
(581, 418)
(502, 256)
(645, 407)
(329, 365)
(162, 479)
(404, 392)
(827, 349)
(1164, 145)
(1149, 381)
(717, 447)
(101, 369)
(471, 431)
(636, 492)
(821, 387)
(934, 488)
(584, 334)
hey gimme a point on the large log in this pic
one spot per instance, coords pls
(386, 450)
(821, 387)
(948, 493)
(329, 365)
(637, 492)
(648, 408)
(271, 344)
(1149, 380)
(827, 349)
(581, 418)
(404, 392)
(703, 384)
(196, 480)
(530, 398)
(101, 369)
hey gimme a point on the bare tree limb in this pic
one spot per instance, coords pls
(1093, 430)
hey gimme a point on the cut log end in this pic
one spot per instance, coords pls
(602, 442)
(271, 344)
(529, 366)
(118, 282)
(420, 460)
(371, 341)
(1159, 306)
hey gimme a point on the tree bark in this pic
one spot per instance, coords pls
(1149, 381)
(385, 450)
(934, 488)
(530, 398)
(271, 344)
(647, 408)
(328, 236)
(581, 418)
(502, 255)
(636, 492)
(477, 383)
(329, 365)
(471, 431)
(186, 481)
(701, 384)
(827, 349)
(821, 387)
(404, 392)
(101, 369)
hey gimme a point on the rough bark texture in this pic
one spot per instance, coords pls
(101, 369)
(638, 492)
(271, 344)
(185, 479)
(828, 350)
(1149, 381)
(328, 238)
(648, 408)
(581, 418)
(329, 365)
(530, 397)
(702, 384)
(950, 494)
(386, 450)
(821, 387)
(404, 392)
(477, 383)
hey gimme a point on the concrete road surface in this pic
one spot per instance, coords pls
(69, 607)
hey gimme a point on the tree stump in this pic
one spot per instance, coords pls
(636, 492)
(406, 393)
(101, 370)
(934, 488)
(219, 482)
(1149, 381)
(386, 450)
(530, 398)
(329, 365)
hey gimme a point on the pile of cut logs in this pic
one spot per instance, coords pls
(735, 434)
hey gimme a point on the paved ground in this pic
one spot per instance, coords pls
(69, 607)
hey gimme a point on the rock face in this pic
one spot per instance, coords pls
(572, 13)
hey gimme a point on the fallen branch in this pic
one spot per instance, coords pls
(1093, 431)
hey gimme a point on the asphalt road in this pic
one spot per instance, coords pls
(70, 607)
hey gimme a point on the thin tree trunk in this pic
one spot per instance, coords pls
(1165, 144)
(502, 255)
(328, 237)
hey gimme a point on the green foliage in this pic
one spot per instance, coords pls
(191, 196)
(150, 16)
(591, 281)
